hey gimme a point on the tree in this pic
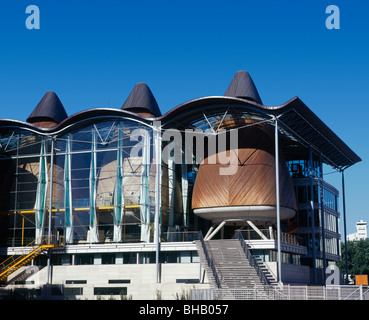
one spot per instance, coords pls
(357, 257)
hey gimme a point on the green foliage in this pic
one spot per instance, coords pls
(357, 257)
(185, 295)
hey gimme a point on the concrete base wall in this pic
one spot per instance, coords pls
(291, 273)
(142, 278)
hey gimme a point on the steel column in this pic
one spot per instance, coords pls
(276, 146)
(344, 221)
(312, 212)
(322, 215)
(50, 207)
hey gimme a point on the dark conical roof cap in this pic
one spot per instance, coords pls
(48, 109)
(141, 99)
(242, 86)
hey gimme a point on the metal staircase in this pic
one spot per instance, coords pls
(26, 254)
(230, 265)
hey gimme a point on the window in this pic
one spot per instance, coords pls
(330, 200)
(302, 218)
(110, 291)
(147, 257)
(75, 281)
(119, 281)
(78, 291)
(179, 257)
(108, 258)
(82, 259)
(187, 280)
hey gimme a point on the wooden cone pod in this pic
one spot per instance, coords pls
(250, 193)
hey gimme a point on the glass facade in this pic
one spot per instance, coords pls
(317, 216)
(104, 189)
(93, 166)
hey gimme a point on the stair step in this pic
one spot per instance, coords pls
(231, 264)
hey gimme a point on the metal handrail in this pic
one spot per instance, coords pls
(352, 293)
(209, 260)
(41, 241)
(249, 234)
(180, 236)
(252, 259)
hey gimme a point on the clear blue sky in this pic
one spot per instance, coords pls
(91, 53)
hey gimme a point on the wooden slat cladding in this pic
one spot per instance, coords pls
(254, 182)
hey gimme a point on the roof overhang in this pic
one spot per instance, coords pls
(300, 128)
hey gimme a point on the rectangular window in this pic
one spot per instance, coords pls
(129, 258)
(108, 258)
(75, 281)
(115, 281)
(147, 257)
(187, 280)
(302, 218)
(73, 291)
(302, 194)
(185, 257)
(110, 291)
(83, 259)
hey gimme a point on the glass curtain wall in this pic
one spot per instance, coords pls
(325, 206)
(97, 152)
(106, 181)
(20, 183)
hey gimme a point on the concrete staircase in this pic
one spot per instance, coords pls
(24, 274)
(231, 265)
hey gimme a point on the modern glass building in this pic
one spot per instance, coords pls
(131, 188)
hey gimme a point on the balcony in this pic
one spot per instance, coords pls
(267, 239)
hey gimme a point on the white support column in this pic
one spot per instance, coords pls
(144, 194)
(172, 187)
(119, 191)
(68, 193)
(184, 182)
(256, 229)
(158, 173)
(94, 228)
(271, 235)
(276, 146)
(41, 194)
(216, 230)
(209, 232)
(51, 187)
(50, 209)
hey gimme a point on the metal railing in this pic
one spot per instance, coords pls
(285, 292)
(41, 241)
(209, 260)
(181, 236)
(253, 262)
(28, 253)
(250, 234)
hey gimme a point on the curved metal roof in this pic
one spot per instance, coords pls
(300, 128)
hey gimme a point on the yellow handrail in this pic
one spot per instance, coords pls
(20, 258)
(43, 240)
